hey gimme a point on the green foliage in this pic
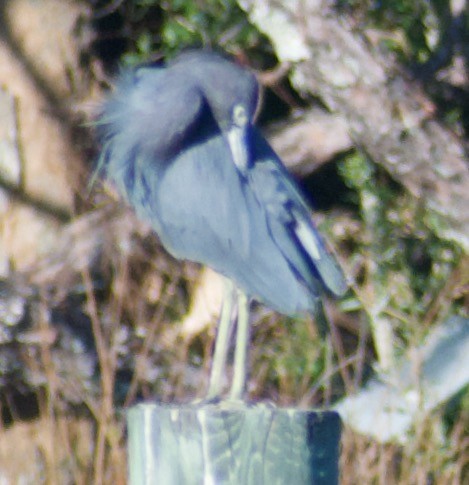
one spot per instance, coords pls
(183, 23)
(403, 261)
(419, 21)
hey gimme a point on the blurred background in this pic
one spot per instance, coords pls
(367, 102)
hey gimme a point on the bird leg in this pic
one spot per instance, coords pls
(238, 385)
(225, 328)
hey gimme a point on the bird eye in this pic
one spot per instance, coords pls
(240, 117)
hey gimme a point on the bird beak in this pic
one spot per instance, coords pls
(237, 139)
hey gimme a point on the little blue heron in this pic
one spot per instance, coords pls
(180, 144)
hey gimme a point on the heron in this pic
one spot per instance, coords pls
(180, 144)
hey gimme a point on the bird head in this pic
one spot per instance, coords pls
(231, 92)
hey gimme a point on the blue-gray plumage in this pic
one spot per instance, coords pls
(179, 143)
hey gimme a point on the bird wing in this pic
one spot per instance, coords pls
(290, 222)
(199, 200)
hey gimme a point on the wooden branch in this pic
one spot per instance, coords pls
(310, 141)
(232, 443)
(10, 165)
(388, 116)
(424, 379)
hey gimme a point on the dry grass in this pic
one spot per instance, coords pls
(147, 296)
